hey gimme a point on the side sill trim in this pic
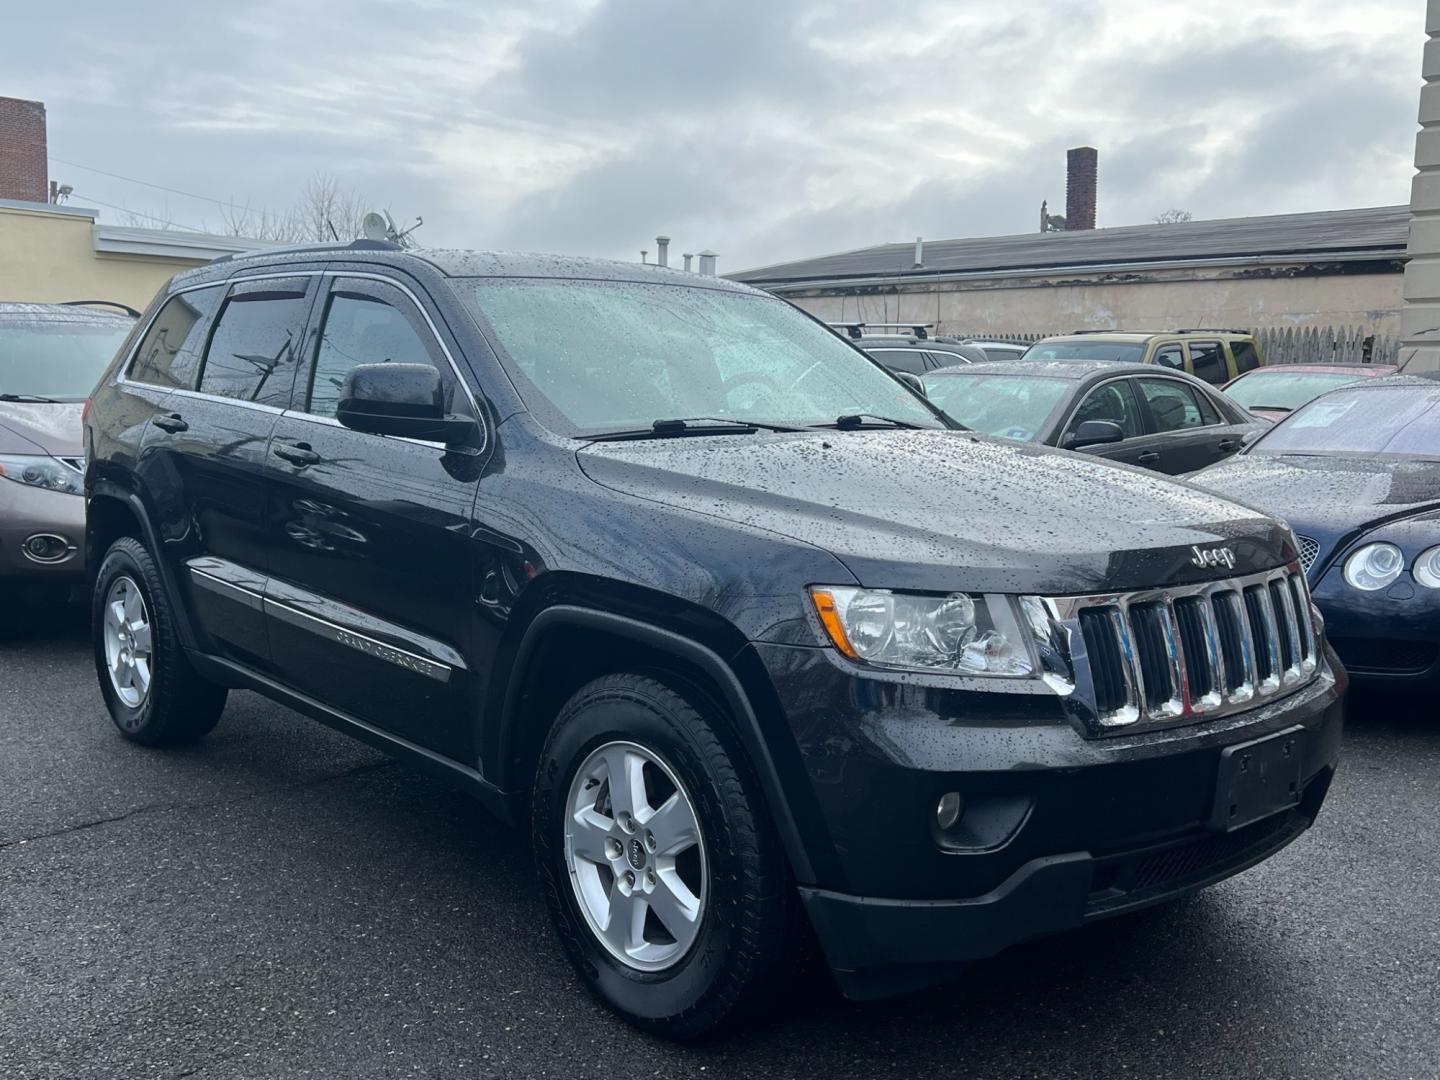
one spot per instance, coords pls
(371, 647)
(233, 674)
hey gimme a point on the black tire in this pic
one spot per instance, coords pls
(748, 925)
(180, 706)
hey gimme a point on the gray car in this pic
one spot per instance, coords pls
(51, 356)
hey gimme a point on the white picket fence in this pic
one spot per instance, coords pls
(1287, 345)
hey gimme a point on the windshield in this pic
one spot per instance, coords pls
(601, 356)
(1086, 350)
(1400, 420)
(59, 358)
(1011, 406)
(1285, 389)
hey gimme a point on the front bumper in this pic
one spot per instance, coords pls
(1058, 829)
(1389, 637)
(26, 511)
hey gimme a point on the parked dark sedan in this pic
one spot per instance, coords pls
(1357, 474)
(1163, 420)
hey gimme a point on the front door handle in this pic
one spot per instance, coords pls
(1229, 446)
(1148, 456)
(296, 453)
(172, 423)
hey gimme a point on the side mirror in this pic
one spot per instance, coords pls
(407, 400)
(1094, 433)
(910, 379)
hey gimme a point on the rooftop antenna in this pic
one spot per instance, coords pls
(381, 226)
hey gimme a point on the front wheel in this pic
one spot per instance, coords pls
(661, 869)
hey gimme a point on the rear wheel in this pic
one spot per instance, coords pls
(154, 696)
(662, 872)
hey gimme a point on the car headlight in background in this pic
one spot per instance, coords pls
(1427, 568)
(959, 633)
(1374, 566)
(43, 472)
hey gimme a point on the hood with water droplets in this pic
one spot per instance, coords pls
(942, 511)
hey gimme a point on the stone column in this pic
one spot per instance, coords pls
(1420, 318)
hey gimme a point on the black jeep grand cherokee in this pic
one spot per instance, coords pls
(739, 625)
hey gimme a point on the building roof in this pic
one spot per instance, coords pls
(1327, 236)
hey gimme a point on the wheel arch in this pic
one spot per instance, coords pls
(614, 641)
(113, 511)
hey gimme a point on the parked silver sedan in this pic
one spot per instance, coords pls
(51, 356)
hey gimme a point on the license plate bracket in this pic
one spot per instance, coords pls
(1257, 779)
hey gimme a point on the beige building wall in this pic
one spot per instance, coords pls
(51, 257)
(1372, 301)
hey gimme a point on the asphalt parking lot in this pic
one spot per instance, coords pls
(280, 901)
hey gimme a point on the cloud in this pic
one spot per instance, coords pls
(763, 130)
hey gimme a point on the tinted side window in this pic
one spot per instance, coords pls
(1170, 356)
(1172, 404)
(1113, 401)
(170, 354)
(1208, 361)
(253, 351)
(366, 325)
(1246, 358)
(911, 360)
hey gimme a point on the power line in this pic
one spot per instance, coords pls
(144, 183)
(166, 222)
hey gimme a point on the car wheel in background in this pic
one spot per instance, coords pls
(154, 696)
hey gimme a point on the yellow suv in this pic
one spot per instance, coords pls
(1217, 356)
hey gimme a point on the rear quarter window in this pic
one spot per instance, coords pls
(169, 354)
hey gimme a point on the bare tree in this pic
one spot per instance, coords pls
(1173, 217)
(323, 204)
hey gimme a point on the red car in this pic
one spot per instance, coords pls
(1275, 392)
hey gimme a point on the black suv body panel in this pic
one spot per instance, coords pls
(422, 598)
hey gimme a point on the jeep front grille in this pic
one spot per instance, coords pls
(1163, 656)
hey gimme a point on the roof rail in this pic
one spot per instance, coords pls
(350, 245)
(126, 308)
(857, 329)
(1076, 333)
(1208, 330)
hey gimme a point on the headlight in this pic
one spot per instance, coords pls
(968, 635)
(42, 472)
(1427, 568)
(1374, 566)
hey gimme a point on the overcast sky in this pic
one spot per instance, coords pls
(764, 129)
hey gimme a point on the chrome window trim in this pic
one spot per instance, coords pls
(1133, 715)
(124, 379)
(439, 340)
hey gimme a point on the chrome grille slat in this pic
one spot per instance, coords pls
(1161, 656)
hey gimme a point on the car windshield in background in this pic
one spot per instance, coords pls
(1399, 420)
(594, 357)
(1276, 389)
(1132, 352)
(60, 359)
(1011, 406)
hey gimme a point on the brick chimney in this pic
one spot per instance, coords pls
(23, 164)
(1081, 167)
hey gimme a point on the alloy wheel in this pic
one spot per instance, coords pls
(128, 642)
(636, 856)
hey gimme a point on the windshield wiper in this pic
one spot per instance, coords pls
(693, 425)
(30, 397)
(852, 421)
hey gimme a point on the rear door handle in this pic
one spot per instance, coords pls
(171, 423)
(1229, 445)
(1148, 456)
(296, 453)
